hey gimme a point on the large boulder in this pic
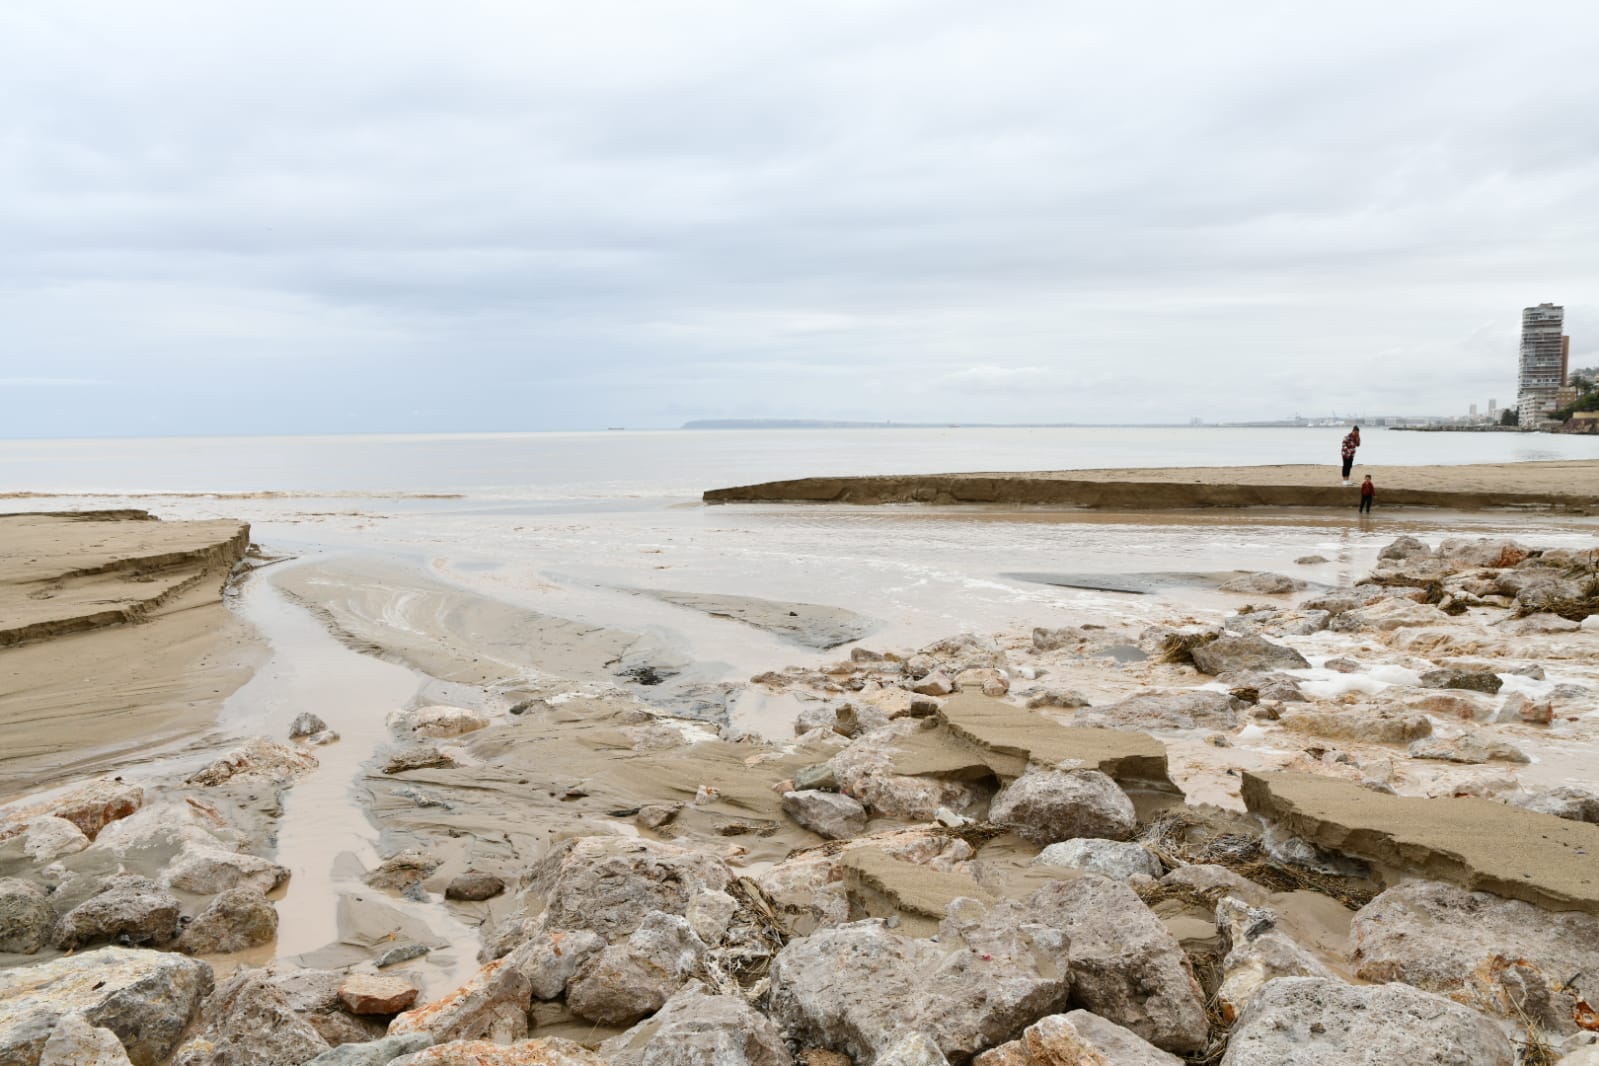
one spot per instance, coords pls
(205, 871)
(634, 977)
(1498, 955)
(1233, 654)
(861, 988)
(1051, 805)
(827, 814)
(1165, 711)
(696, 1028)
(249, 1022)
(1126, 966)
(1077, 1039)
(147, 998)
(865, 770)
(237, 919)
(609, 884)
(26, 919)
(129, 909)
(1297, 1020)
(492, 1005)
(550, 959)
(51, 837)
(258, 759)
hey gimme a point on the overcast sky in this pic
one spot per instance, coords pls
(286, 217)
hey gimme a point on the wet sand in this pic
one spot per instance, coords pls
(1568, 485)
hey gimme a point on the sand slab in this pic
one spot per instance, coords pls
(85, 688)
(1476, 843)
(1571, 485)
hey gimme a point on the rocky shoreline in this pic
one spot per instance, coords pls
(1324, 830)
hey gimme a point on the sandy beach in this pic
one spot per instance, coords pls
(477, 793)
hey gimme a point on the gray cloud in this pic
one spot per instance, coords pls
(293, 217)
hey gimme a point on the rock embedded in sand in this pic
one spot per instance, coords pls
(1263, 583)
(128, 909)
(418, 757)
(75, 1042)
(1470, 748)
(866, 768)
(1229, 653)
(1563, 801)
(933, 684)
(828, 814)
(258, 758)
(437, 721)
(987, 680)
(1375, 725)
(1387, 615)
(205, 871)
(237, 919)
(474, 886)
(1125, 965)
(546, 1051)
(363, 993)
(1166, 710)
(51, 837)
(1297, 1020)
(26, 918)
(1501, 956)
(147, 998)
(492, 1005)
(403, 869)
(1473, 680)
(1052, 805)
(1257, 951)
(860, 988)
(1111, 858)
(248, 1020)
(91, 808)
(1077, 1038)
(306, 724)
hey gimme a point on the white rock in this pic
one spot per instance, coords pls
(75, 1042)
(437, 721)
(50, 837)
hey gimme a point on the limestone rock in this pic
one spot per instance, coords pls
(437, 721)
(248, 1022)
(1077, 1039)
(1491, 953)
(258, 758)
(1052, 805)
(129, 909)
(609, 884)
(306, 724)
(96, 805)
(550, 959)
(205, 871)
(633, 978)
(1112, 858)
(1055, 697)
(375, 1052)
(1471, 748)
(403, 869)
(1262, 584)
(548, 1051)
(26, 918)
(363, 993)
(1473, 680)
(417, 757)
(1563, 801)
(147, 998)
(967, 650)
(1404, 549)
(237, 919)
(695, 1028)
(1387, 615)
(1230, 653)
(992, 682)
(828, 814)
(865, 770)
(1298, 1020)
(933, 684)
(491, 1006)
(1257, 951)
(861, 989)
(51, 837)
(474, 886)
(914, 1049)
(1126, 966)
(1376, 725)
(77, 1043)
(1166, 710)
(1070, 637)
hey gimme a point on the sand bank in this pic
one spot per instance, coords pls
(114, 637)
(1568, 485)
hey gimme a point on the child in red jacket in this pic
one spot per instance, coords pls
(1367, 491)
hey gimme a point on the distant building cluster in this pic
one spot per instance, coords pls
(1541, 388)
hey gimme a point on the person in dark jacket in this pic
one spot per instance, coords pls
(1368, 492)
(1351, 442)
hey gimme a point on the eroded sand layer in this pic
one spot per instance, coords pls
(115, 637)
(1565, 485)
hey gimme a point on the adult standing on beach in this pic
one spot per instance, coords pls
(1351, 442)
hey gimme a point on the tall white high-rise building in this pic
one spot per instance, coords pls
(1542, 367)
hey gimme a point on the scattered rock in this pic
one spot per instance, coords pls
(1563, 801)
(633, 978)
(237, 919)
(26, 919)
(1310, 560)
(933, 684)
(1229, 653)
(992, 682)
(1054, 639)
(474, 886)
(491, 1006)
(51, 837)
(828, 814)
(206, 870)
(1518, 708)
(147, 998)
(258, 758)
(1497, 955)
(865, 770)
(1108, 857)
(967, 650)
(1473, 680)
(1263, 584)
(550, 959)
(403, 869)
(437, 721)
(1052, 805)
(1378, 725)
(1387, 615)
(1471, 748)
(1166, 710)
(1257, 952)
(418, 757)
(609, 884)
(374, 1053)
(695, 1028)
(129, 909)
(370, 994)
(306, 724)
(547, 1051)
(1056, 697)
(1077, 1039)
(1298, 1020)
